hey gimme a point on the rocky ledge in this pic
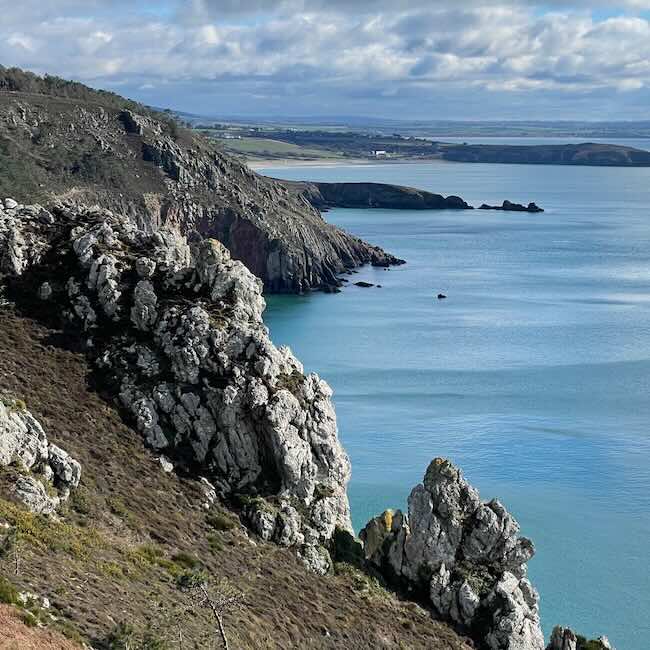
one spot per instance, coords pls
(174, 329)
(40, 474)
(508, 206)
(465, 559)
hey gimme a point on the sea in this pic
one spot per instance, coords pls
(533, 375)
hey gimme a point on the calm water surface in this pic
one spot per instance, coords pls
(533, 375)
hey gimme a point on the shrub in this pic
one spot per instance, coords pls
(8, 593)
(220, 521)
(185, 560)
(215, 543)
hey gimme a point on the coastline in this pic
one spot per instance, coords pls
(257, 164)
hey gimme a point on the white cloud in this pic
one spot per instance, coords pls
(313, 48)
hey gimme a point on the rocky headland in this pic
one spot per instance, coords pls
(149, 427)
(373, 195)
(466, 560)
(586, 153)
(174, 329)
(62, 140)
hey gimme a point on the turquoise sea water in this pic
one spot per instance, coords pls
(533, 376)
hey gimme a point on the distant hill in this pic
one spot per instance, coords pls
(588, 153)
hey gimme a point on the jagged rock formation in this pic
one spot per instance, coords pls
(45, 473)
(509, 206)
(140, 164)
(464, 556)
(374, 195)
(563, 638)
(175, 329)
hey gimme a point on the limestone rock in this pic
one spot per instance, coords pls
(24, 445)
(179, 336)
(563, 638)
(465, 554)
(33, 494)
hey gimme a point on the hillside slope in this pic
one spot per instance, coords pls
(63, 140)
(131, 527)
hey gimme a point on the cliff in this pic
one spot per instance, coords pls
(181, 422)
(60, 140)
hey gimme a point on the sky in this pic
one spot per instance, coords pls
(399, 59)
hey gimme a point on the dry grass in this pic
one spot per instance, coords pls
(15, 634)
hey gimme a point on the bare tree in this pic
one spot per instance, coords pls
(218, 599)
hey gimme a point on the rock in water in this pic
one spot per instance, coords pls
(175, 329)
(464, 556)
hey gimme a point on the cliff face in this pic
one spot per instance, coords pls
(144, 166)
(175, 331)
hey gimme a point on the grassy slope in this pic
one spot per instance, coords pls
(266, 148)
(130, 529)
(33, 170)
(17, 634)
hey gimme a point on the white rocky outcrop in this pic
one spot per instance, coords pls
(175, 327)
(45, 472)
(464, 555)
(564, 638)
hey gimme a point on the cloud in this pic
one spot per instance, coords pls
(395, 58)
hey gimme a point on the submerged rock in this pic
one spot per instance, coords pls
(463, 556)
(175, 330)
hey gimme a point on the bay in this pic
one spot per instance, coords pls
(533, 376)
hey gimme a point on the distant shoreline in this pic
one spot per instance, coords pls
(257, 164)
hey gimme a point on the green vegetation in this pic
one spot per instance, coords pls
(586, 644)
(149, 555)
(43, 533)
(17, 80)
(215, 544)
(220, 521)
(363, 584)
(126, 637)
(12, 404)
(8, 593)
